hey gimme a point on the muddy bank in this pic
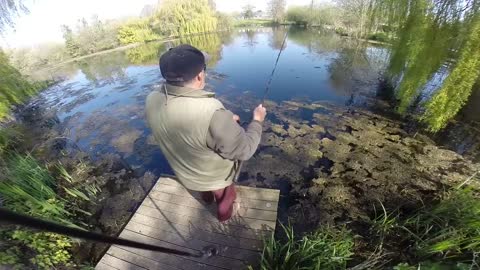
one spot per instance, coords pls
(122, 188)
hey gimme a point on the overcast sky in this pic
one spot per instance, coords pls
(43, 22)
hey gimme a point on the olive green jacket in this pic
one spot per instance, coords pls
(198, 136)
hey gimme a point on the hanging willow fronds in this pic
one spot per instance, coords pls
(8, 10)
(458, 86)
(432, 36)
(185, 17)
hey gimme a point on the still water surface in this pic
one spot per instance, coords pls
(101, 102)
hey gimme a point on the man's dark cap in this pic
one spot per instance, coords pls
(182, 63)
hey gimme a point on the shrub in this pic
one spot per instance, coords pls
(29, 188)
(299, 15)
(224, 21)
(451, 228)
(136, 31)
(185, 17)
(49, 249)
(432, 266)
(446, 233)
(327, 248)
(14, 88)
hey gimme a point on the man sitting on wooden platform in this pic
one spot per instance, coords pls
(201, 140)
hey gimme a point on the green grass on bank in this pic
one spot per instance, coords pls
(442, 236)
(46, 192)
(327, 248)
(14, 87)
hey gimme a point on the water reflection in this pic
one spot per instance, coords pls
(277, 37)
(102, 104)
(147, 54)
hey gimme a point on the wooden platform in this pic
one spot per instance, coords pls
(173, 217)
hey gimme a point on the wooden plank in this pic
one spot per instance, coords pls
(173, 217)
(262, 194)
(180, 205)
(193, 215)
(199, 233)
(245, 192)
(179, 191)
(173, 182)
(102, 266)
(217, 261)
(119, 252)
(224, 250)
(119, 263)
(178, 262)
(205, 225)
(198, 202)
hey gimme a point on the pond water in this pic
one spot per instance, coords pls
(101, 101)
(330, 144)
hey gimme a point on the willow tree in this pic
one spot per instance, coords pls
(9, 9)
(184, 17)
(435, 38)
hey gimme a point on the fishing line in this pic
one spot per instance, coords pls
(35, 223)
(267, 88)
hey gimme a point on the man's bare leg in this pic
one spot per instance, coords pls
(225, 198)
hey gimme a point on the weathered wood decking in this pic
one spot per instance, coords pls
(173, 217)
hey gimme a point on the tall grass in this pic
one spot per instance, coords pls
(8, 137)
(29, 188)
(441, 236)
(327, 248)
(444, 233)
(450, 229)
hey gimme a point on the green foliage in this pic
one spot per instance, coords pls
(71, 45)
(8, 137)
(325, 15)
(29, 61)
(30, 188)
(448, 229)
(145, 54)
(434, 37)
(458, 86)
(432, 266)
(327, 248)
(276, 9)
(14, 88)
(90, 37)
(185, 17)
(50, 249)
(451, 228)
(211, 44)
(224, 21)
(299, 15)
(137, 30)
(248, 11)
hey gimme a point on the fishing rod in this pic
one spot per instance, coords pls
(39, 224)
(35, 223)
(267, 88)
